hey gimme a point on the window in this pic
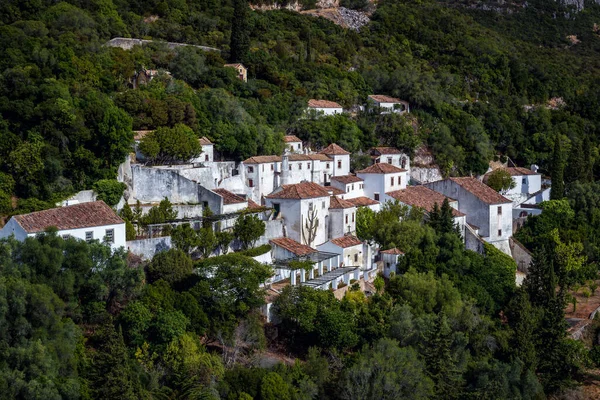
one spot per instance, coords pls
(392, 181)
(323, 204)
(89, 236)
(250, 170)
(299, 165)
(403, 163)
(339, 164)
(327, 165)
(109, 236)
(353, 186)
(272, 166)
(206, 157)
(356, 258)
(499, 232)
(362, 186)
(499, 210)
(307, 165)
(65, 237)
(250, 182)
(348, 189)
(524, 182)
(352, 217)
(299, 146)
(389, 160)
(310, 206)
(376, 196)
(263, 167)
(346, 218)
(290, 167)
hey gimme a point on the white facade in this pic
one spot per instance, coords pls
(296, 214)
(390, 259)
(341, 221)
(351, 189)
(351, 256)
(525, 187)
(101, 233)
(326, 110)
(377, 184)
(491, 214)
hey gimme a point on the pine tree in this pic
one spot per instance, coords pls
(576, 164)
(240, 39)
(557, 171)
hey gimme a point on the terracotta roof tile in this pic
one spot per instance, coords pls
(334, 149)
(385, 150)
(382, 98)
(262, 159)
(312, 103)
(517, 171)
(345, 179)
(302, 190)
(381, 168)
(228, 197)
(480, 190)
(394, 251)
(236, 65)
(363, 201)
(253, 205)
(346, 241)
(84, 215)
(335, 191)
(308, 157)
(336, 203)
(422, 197)
(204, 141)
(291, 138)
(291, 245)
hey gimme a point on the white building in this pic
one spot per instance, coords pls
(86, 221)
(208, 151)
(382, 178)
(324, 107)
(231, 202)
(341, 161)
(351, 185)
(527, 184)
(342, 217)
(242, 71)
(349, 248)
(425, 198)
(304, 208)
(364, 201)
(486, 209)
(390, 155)
(389, 104)
(390, 259)
(293, 143)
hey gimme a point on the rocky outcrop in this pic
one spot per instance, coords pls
(342, 16)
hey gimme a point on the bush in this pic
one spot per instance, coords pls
(109, 190)
(256, 251)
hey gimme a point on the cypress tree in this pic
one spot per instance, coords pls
(446, 221)
(557, 171)
(576, 164)
(240, 39)
(434, 217)
(588, 162)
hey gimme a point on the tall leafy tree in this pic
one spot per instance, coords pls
(240, 38)
(557, 170)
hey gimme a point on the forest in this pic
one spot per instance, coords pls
(80, 322)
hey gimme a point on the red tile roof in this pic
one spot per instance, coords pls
(323, 104)
(228, 197)
(345, 179)
(422, 197)
(302, 190)
(291, 245)
(385, 150)
(346, 241)
(84, 215)
(335, 191)
(480, 190)
(392, 251)
(382, 98)
(291, 138)
(253, 205)
(308, 157)
(236, 65)
(381, 168)
(334, 149)
(336, 203)
(363, 201)
(518, 171)
(262, 159)
(204, 141)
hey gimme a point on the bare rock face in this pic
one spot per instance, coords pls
(329, 3)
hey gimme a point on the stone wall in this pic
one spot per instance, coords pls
(473, 241)
(147, 248)
(520, 254)
(128, 43)
(425, 174)
(151, 185)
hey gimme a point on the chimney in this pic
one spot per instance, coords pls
(285, 167)
(534, 168)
